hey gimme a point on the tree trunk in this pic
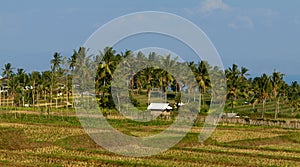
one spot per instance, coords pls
(276, 108)
(38, 98)
(200, 99)
(264, 109)
(23, 97)
(67, 89)
(51, 93)
(33, 102)
(232, 104)
(148, 94)
(56, 102)
(119, 103)
(7, 102)
(7, 98)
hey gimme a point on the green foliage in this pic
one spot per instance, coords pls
(54, 87)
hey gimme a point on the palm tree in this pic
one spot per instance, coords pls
(46, 82)
(55, 64)
(13, 85)
(22, 78)
(264, 87)
(233, 75)
(72, 60)
(66, 64)
(244, 83)
(254, 92)
(201, 75)
(7, 72)
(276, 81)
(104, 74)
(168, 65)
(293, 95)
(35, 81)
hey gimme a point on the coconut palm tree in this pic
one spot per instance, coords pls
(66, 64)
(7, 72)
(35, 82)
(13, 85)
(233, 81)
(72, 60)
(22, 78)
(104, 74)
(293, 95)
(277, 82)
(244, 83)
(168, 64)
(200, 71)
(46, 82)
(264, 87)
(55, 64)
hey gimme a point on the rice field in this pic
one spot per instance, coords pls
(38, 140)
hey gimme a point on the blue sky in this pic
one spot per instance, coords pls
(260, 35)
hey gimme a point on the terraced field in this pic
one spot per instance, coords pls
(38, 140)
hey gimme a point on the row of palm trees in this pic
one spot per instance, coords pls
(144, 73)
(158, 74)
(25, 89)
(261, 89)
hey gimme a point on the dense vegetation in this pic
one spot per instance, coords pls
(53, 88)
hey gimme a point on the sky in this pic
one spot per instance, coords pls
(262, 36)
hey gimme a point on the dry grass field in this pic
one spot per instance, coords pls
(37, 140)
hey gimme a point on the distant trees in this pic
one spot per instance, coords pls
(56, 83)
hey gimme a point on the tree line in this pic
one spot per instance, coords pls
(53, 88)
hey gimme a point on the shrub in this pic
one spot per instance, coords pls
(247, 119)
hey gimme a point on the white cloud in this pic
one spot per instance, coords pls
(242, 22)
(208, 6)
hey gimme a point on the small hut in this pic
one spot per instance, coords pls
(157, 109)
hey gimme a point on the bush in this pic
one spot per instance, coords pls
(297, 116)
(282, 121)
(247, 119)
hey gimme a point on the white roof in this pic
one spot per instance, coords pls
(229, 115)
(158, 106)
